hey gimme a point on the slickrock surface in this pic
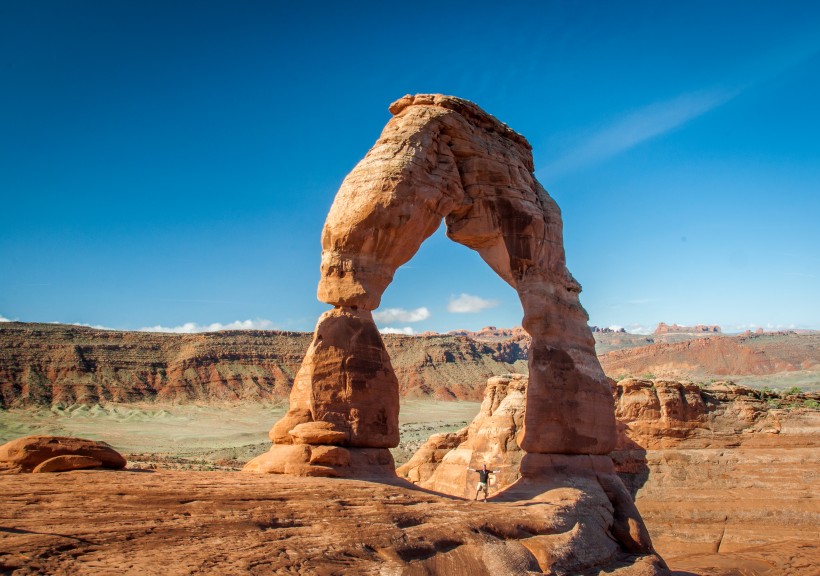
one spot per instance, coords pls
(52, 364)
(56, 453)
(725, 477)
(179, 523)
(441, 158)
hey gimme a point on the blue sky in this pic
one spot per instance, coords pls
(170, 164)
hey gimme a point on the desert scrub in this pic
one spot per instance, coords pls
(813, 404)
(793, 391)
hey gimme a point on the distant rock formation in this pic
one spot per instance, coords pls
(58, 364)
(39, 454)
(718, 357)
(666, 329)
(440, 158)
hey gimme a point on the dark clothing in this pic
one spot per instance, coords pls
(484, 475)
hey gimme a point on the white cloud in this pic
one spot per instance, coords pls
(640, 329)
(401, 315)
(407, 330)
(468, 304)
(95, 326)
(193, 327)
(4, 319)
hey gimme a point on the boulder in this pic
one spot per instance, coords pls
(67, 462)
(26, 454)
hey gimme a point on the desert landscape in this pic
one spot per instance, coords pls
(257, 451)
(382, 289)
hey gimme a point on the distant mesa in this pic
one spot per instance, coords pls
(675, 328)
(713, 356)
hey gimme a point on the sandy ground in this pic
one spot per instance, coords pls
(207, 437)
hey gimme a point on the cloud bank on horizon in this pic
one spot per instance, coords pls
(193, 327)
(389, 315)
(469, 304)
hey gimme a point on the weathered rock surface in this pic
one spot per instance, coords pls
(659, 414)
(55, 454)
(443, 158)
(346, 381)
(67, 462)
(724, 475)
(491, 438)
(48, 364)
(180, 523)
(719, 356)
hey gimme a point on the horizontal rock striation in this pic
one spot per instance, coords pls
(44, 364)
(51, 364)
(753, 354)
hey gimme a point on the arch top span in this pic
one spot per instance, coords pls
(441, 158)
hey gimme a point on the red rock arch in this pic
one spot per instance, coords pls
(438, 158)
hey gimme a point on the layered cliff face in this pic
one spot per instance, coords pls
(43, 364)
(723, 475)
(720, 356)
(49, 364)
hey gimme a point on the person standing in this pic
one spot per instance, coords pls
(483, 480)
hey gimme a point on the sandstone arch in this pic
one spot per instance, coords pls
(438, 158)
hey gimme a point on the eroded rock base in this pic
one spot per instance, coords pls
(324, 461)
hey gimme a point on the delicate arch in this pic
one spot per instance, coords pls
(443, 158)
